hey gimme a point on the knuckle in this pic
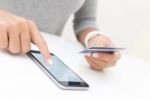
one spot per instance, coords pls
(32, 25)
(17, 23)
(22, 21)
(31, 22)
(14, 23)
(14, 28)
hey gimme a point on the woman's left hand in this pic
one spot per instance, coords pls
(100, 61)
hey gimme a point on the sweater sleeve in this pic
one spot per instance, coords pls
(85, 17)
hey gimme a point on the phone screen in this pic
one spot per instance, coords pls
(60, 71)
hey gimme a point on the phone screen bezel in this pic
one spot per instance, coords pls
(64, 83)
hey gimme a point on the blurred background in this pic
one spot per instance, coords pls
(126, 21)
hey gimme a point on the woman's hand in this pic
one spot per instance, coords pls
(17, 34)
(100, 61)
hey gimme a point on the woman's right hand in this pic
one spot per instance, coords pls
(17, 34)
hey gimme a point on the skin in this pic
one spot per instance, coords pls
(17, 34)
(99, 61)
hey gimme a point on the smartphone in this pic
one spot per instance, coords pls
(58, 72)
(102, 50)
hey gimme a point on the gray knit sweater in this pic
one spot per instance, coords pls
(51, 15)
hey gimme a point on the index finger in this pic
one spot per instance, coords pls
(38, 40)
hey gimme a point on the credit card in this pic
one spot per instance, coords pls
(102, 50)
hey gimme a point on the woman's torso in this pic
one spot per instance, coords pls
(49, 15)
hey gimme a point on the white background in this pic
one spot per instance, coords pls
(127, 22)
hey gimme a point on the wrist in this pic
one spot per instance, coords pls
(81, 36)
(90, 36)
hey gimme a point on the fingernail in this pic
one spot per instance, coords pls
(95, 55)
(50, 62)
